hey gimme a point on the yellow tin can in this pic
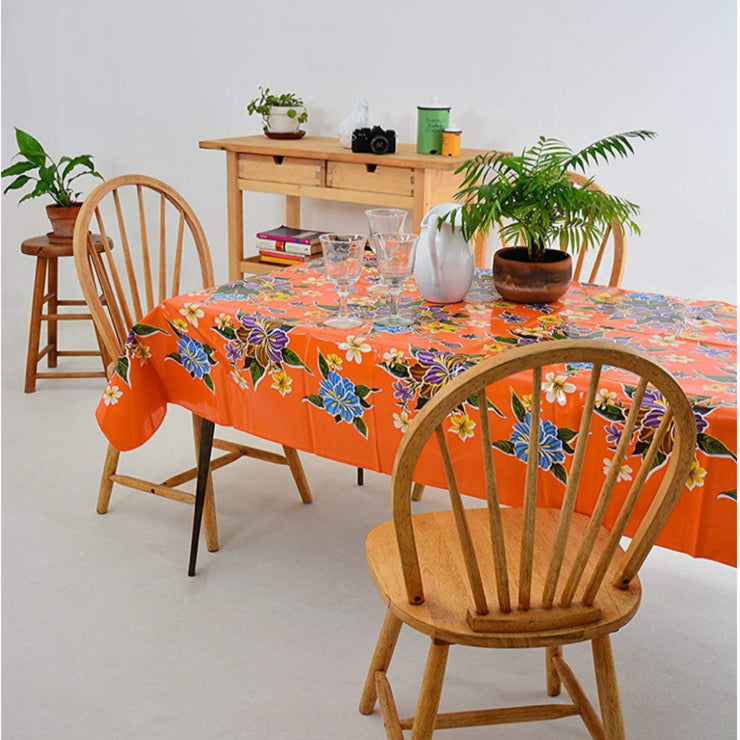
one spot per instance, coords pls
(451, 142)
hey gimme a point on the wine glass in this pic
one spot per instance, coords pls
(395, 254)
(385, 221)
(343, 263)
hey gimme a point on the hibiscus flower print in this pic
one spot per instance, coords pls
(550, 446)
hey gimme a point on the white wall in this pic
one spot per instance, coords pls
(139, 83)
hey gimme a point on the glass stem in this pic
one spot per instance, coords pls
(343, 294)
(393, 295)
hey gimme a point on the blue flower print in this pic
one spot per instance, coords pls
(339, 397)
(193, 356)
(551, 447)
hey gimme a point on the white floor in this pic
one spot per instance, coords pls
(105, 637)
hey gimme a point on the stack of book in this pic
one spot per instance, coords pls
(288, 246)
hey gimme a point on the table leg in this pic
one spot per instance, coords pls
(235, 216)
(52, 307)
(204, 462)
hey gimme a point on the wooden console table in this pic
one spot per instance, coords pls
(320, 167)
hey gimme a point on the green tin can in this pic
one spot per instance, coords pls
(431, 122)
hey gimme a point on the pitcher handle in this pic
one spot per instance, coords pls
(436, 269)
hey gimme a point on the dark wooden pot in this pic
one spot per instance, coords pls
(518, 279)
(62, 220)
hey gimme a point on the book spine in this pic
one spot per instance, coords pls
(283, 255)
(280, 261)
(309, 249)
(270, 244)
(264, 235)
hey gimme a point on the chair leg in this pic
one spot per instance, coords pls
(606, 681)
(299, 476)
(210, 526)
(431, 690)
(34, 332)
(106, 484)
(381, 660)
(551, 672)
(417, 492)
(51, 329)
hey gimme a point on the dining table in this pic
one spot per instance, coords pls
(255, 355)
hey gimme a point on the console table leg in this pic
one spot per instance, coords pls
(293, 211)
(235, 216)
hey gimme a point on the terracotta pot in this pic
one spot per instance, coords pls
(517, 279)
(63, 220)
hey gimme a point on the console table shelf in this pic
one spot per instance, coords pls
(320, 167)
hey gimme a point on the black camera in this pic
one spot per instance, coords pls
(374, 140)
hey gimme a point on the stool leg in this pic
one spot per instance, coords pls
(34, 334)
(51, 324)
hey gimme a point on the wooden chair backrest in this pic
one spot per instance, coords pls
(153, 232)
(592, 260)
(677, 422)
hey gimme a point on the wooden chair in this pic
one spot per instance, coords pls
(159, 239)
(523, 577)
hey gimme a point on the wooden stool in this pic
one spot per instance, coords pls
(47, 252)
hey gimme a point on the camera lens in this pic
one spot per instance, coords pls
(379, 145)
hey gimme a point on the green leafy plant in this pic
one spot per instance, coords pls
(51, 178)
(266, 100)
(531, 200)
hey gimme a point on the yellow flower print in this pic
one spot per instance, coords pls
(354, 347)
(334, 361)
(683, 359)
(394, 356)
(462, 425)
(604, 398)
(604, 298)
(142, 352)
(281, 382)
(180, 324)
(111, 395)
(223, 321)
(192, 312)
(696, 475)
(401, 421)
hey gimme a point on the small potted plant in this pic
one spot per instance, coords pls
(47, 177)
(282, 115)
(532, 201)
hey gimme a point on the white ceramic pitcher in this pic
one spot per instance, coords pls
(444, 262)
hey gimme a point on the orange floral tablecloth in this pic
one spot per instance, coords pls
(253, 355)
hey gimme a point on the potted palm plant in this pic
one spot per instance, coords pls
(282, 115)
(37, 169)
(532, 202)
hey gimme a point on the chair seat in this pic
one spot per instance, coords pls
(444, 613)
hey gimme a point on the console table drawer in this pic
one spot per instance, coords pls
(294, 170)
(370, 178)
